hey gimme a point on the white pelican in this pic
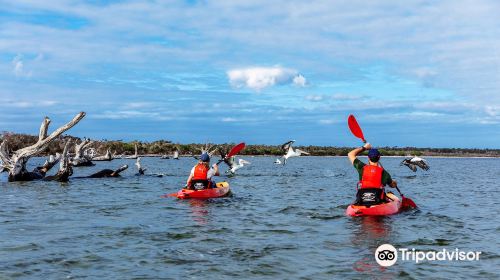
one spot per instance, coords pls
(139, 167)
(412, 163)
(234, 167)
(290, 152)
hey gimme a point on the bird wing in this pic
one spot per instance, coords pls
(223, 151)
(301, 152)
(422, 164)
(410, 165)
(285, 147)
(405, 162)
(229, 162)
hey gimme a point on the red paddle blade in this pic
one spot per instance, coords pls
(236, 149)
(354, 127)
(408, 203)
(169, 195)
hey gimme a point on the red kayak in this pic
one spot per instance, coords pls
(389, 208)
(221, 190)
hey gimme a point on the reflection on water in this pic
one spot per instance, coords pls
(371, 228)
(281, 222)
(198, 211)
(370, 232)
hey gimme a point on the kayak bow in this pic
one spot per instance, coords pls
(221, 190)
(384, 209)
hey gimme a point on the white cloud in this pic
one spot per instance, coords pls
(30, 104)
(313, 97)
(337, 97)
(345, 97)
(136, 105)
(18, 67)
(328, 121)
(492, 111)
(229, 120)
(129, 114)
(299, 80)
(258, 78)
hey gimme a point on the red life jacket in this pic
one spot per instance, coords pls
(200, 172)
(372, 176)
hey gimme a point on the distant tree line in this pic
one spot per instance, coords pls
(164, 147)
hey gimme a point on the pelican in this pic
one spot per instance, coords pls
(415, 161)
(290, 152)
(277, 161)
(139, 167)
(234, 167)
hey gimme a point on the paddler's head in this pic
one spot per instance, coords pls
(374, 155)
(205, 158)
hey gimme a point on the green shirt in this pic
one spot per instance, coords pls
(386, 177)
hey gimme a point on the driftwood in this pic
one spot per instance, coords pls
(16, 162)
(65, 169)
(135, 155)
(107, 157)
(207, 149)
(108, 173)
(83, 156)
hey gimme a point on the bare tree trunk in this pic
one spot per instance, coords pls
(108, 173)
(107, 157)
(65, 169)
(135, 155)
(81, 158)
(16, 163)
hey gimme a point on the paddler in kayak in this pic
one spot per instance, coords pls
(372, 177)
(201, 174)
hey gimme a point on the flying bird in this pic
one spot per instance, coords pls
(234, 166)
(290, 152)
(413, 162)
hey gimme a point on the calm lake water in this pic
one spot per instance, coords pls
(281, 222)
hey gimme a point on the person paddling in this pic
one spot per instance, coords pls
(373, 177)
(201, 174)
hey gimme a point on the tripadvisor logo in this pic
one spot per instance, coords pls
(387, 255)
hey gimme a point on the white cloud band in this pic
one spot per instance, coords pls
(258, 78)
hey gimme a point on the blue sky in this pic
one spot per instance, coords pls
(415, 73)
